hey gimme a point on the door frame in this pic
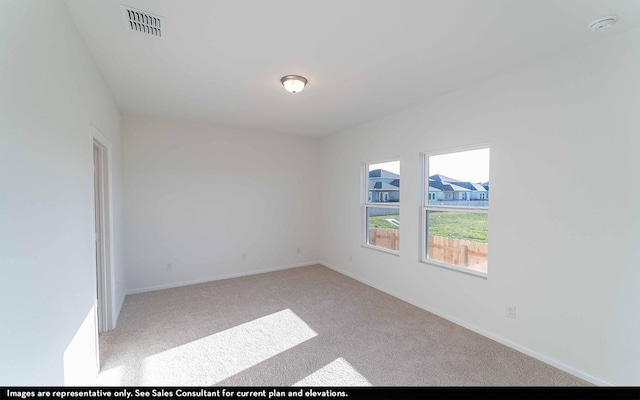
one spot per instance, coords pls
(104, 277)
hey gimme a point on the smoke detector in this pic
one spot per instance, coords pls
(142, 21)
(603, 23)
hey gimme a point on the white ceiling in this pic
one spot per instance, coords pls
(221, 60)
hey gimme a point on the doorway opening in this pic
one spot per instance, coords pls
(103, 232)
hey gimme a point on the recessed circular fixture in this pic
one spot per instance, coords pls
(294, 83)
(603, 23)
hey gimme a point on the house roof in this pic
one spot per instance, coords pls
(382, 186)
(446, 184)
(382, 173)
(446, 187)
(471, 186)
(457, 188)
(442, 178)
(437, 183)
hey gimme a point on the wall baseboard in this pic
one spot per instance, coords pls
(219, 278)
(561, 366)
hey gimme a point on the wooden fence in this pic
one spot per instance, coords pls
(385, 237)
(464, 253)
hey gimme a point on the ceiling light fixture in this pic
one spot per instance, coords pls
(603, 23)
(293, 83)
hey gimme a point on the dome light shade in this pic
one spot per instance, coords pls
(293, 83)
(603, 23)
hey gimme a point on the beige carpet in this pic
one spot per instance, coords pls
(306, 326)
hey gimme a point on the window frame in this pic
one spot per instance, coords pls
(425, 207)
(365, 204)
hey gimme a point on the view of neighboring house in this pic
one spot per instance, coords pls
(384, 187)
(449, 191)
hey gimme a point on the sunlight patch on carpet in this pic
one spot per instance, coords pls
(337, 373)
(214, 358)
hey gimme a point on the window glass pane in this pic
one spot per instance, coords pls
(383, 227)
(458, 238)
(459, 179)
(384, 182)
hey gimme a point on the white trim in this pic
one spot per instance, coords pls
(364, 182)
(109, 304)
(386, 204)
(364, 234)
(382, 249)
(541, 357)
(460, 209)
(423, 252)
(96, 371)
(423, 178)
(425, 166)
(454, 267)
(365, 231)
(218, 278)
(458, 149)
(423, 255)
(384, 160)
(365, 203)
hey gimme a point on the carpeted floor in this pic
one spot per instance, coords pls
(306, 326)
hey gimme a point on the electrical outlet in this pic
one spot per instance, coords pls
(297, 250)
(350, 258)
(244, 256)
(169, 266)
(511, 312)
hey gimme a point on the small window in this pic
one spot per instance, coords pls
(381, 210)
(455, 225)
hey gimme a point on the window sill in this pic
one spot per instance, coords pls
(483, 275)
(382, 249)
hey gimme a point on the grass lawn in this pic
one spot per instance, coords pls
(380, 221)
(457, 225)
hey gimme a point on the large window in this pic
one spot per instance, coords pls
(455, 209)
(381, 206)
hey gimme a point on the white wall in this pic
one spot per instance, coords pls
(569, 262)
(198, 196)
(50, 93)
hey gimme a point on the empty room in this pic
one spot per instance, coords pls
(319, 194)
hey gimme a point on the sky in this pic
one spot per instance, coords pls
(391, 166)
(472, 165)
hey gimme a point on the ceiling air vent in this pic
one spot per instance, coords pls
(142, 21)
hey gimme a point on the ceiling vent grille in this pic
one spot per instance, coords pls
(143, 22)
